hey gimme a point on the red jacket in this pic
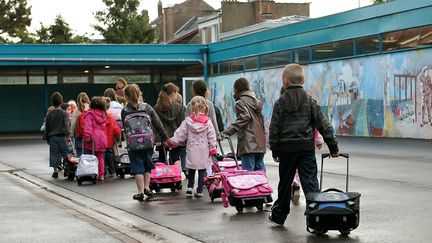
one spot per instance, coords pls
(112, 130)
(80, 125)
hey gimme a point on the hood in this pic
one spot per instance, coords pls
(171, 115)
(293, 98)
(98, 115)
(199, 124)
(251, 100)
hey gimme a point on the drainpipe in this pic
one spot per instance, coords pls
(204, 51)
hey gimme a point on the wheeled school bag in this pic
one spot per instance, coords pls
(138, 129)
(87, 169)
(121, 160)
(70, 164)
(165, 176)
(245, 188)
(332, 209)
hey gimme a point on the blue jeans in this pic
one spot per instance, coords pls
(306, 165)
(78, 146)
(253, 162)
(59, 149)
(110, 165)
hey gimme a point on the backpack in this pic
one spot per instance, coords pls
(138, 129)
(80, 124)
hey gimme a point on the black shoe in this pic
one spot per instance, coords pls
(274, 223)
(148, 193)
(55, 175)
(139, 197)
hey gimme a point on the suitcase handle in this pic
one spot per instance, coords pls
(221, 149)
(232, 151)
(82, 148)
(332, 190)
(326, 155)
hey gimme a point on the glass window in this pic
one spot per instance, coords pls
(105, 79)
(231, 66)
(410, 38)
(224, 67)
(275, 59)
(6, 80)
(332, 50)
(251, 63)
(368, 44)
(145, 78)
(301, 55)
(75, 79)
(213, 69)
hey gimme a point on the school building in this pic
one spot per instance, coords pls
(370, 69)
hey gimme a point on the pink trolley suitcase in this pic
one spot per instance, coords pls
(165, 176)
(245, 188)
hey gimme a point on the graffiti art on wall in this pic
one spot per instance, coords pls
(381, 96)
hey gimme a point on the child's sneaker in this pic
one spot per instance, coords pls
(198, 194)
(148, 193)
(55, 175)
(274, 223)
(189, 192)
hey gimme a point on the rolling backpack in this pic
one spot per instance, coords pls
(138, 129)
(332, 209)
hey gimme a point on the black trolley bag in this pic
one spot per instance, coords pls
(332, 209)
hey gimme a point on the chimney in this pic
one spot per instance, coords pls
(264, 9)
(159, 8)
(168, 23)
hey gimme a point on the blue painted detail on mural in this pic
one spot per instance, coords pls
(386, 96)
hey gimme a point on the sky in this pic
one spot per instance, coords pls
(80, 13)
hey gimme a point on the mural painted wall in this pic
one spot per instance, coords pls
(377, 96)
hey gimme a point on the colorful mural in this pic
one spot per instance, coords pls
(377, 96)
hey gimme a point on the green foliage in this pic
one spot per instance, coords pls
(120, 22)
(58, 33)
(14, 20)
(380, 1)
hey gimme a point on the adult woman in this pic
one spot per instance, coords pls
(172, 115)
(249, 127)
(120, 90)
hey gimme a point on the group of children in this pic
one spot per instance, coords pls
(191, 133)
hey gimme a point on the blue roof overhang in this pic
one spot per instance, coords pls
(99, 54)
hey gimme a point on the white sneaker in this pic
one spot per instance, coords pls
(189, 192)
(198, 194)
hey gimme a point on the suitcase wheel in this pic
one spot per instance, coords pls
(344, 232)
(79, 182)
(239, 209)
(157, 190)
(211, 196)
(173, 190)
(320, 232)
(260, 208)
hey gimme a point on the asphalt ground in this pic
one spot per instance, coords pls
(393, 176)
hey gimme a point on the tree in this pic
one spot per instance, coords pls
(14, 20)
(58, 33)
(120, 22)
(380, 1)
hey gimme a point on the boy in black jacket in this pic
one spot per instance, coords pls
(57, 133)
(294, 119)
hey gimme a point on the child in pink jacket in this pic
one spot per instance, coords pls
(200, 137)
(94, 130)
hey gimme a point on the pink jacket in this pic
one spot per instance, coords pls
(94, 129)
(318, 138)
(200, 137)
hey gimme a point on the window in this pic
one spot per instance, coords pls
(75, 79)
(301, 55)
(251, 63)
(275, 59)
(231, 66)
(7, 80)
(410, 38)
(332, 50)
(213, 69)
(368, 44)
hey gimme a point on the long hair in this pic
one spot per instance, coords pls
(199, 105)
(164, 100)
(132, 94)
(82, 99)
(110, 93)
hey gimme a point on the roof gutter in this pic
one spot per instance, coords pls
(134, 60)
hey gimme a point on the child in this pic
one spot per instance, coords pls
(57, 133)
(199, 134)
(94, 132)
(112, 131)
(77, 122)
(291, 137)
(295, 186)
(72, 104)
(140, 160)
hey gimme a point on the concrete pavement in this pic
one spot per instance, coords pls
(392, 175)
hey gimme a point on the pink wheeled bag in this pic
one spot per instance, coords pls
(165, 176)
(245, 188)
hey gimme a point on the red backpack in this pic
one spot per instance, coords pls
(80, 124)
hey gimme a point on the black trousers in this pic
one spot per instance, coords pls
(306, 164)
(191, 179)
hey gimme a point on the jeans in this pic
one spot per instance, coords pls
(253, 162)
(191, 179)
(305, 163)
(59, 149)
(78, 146)
(110, 166)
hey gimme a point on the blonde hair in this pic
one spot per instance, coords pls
(132, 94)
(82, 99)
(199, 105)
(294, 73)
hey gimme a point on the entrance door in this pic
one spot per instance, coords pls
(187, 88)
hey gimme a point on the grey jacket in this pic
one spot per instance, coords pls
(294, 119)
(249, 124)
(211, 115)
(57, 124)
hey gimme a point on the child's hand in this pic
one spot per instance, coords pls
(169, 144)
(213, 152)
(319, 146)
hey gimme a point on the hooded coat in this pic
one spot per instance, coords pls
(200, 137)
(249, 124)
(171, 118)
(295, 117)
(94, 129)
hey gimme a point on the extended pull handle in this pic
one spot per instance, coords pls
(234, 154)
(326, 155)
(82, 149)
(221, 149)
